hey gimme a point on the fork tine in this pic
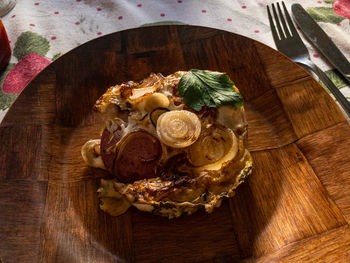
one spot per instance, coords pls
(273, 28)
(286, 31)
(290, 23)
(278, 22)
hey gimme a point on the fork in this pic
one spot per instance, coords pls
(289, 42)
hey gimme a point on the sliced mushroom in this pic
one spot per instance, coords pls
(178, 128)
(91, 154)
(146, 87)
(138, 93)
(111, 111)
(112, 201)
(113, 206)
(156, 100)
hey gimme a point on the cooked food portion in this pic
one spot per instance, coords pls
(91, 154)
(137, 157)
(173, 144)
(216, 145)
(178, 128)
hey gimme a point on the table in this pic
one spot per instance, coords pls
(52, 28)
(294, 207)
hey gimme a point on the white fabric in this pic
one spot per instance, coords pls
(70, 23)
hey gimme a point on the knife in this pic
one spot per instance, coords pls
(321, 40)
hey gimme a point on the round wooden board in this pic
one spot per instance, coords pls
(295, 207)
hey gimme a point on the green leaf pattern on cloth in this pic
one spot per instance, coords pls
(4, 73)
(336, 78)
(30, 42)
(56, 56)
(163, 23)
(33, 29)
(324, 14)
(6, 99)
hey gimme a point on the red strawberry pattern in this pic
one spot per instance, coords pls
(342, 8)
(24, 71)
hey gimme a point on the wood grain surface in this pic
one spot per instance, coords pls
(295, 207)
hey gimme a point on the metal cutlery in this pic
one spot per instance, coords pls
(321, 40)
(288, 41)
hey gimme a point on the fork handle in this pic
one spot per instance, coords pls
(330, 85)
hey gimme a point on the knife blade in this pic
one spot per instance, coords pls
(321, 40)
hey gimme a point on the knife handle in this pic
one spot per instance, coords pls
(329, 84)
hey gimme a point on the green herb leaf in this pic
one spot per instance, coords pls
(203, 88)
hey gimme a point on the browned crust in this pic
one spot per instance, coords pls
(125, 90)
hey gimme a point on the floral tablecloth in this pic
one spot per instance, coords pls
(42, 30)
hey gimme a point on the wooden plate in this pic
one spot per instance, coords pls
(295, 207)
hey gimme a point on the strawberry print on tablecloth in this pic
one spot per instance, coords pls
(46, 29)
(29, 50)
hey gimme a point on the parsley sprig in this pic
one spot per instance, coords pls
(205, 88)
